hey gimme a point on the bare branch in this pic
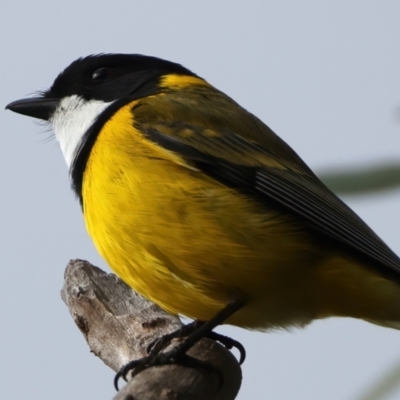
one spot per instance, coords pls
(118, 325)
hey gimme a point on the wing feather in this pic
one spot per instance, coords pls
(257, 162)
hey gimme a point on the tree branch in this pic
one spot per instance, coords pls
(118, 325)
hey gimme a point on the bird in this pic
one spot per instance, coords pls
(199, 206)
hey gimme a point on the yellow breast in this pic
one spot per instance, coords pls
(190, 243)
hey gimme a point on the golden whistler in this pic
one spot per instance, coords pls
(198, 205)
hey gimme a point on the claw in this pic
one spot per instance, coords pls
(173, 356)
(194, 332)
(229, 343)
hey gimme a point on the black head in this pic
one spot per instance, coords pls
(105, 77)
(109, 77)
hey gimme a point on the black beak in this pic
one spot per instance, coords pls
(36, 107)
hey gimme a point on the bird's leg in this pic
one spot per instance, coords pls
(178, 353)
(162, 342)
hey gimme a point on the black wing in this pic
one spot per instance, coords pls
(273, 173)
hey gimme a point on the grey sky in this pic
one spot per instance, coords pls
(323, 74)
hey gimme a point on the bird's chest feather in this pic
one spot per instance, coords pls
(177, 236)
(147, 217)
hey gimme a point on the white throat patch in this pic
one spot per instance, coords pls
(72, 118)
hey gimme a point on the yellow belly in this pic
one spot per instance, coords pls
(190, 244)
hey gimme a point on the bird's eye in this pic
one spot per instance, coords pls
(102, 73)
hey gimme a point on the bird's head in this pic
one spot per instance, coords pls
(89, 86)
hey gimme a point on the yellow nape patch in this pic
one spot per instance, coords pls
(181, 81)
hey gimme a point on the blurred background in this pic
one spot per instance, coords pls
(323, 75)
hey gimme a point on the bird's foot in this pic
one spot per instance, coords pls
(175, 356)
(194, 332)
(156, 346)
